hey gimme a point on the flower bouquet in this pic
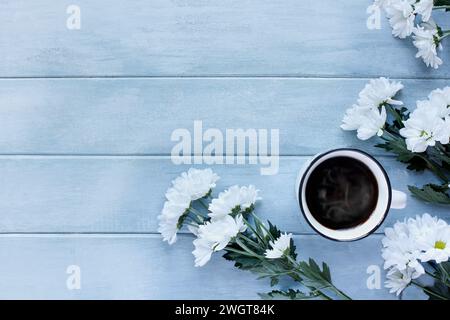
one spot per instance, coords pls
(229, 224)
(416, 249)
(419, 138)
(427, 35)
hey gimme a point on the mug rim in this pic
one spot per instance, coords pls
(383, 171)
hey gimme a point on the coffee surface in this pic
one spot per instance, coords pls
(341, 193)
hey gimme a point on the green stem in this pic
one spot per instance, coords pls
(427, 290)
(253, 243)
(330, 285)
(437, 278)
(396, 115)
(240, 252)
(441, 7)
(442, 149)
(445, 35)
(433, 167)
(197, 214)
(204, 205)
(262, 225)
(248, 224)
(446, 275)
(246, 249)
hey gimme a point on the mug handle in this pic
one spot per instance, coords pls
(399, 200)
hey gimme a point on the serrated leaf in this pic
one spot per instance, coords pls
(313, 277)
(441, 2)
(431, 193)
(292, 249)
(289, 294)
(274, 230)
(398, 147)
(274, 281)
(326, 271)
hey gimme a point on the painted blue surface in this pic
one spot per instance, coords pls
(86, 117)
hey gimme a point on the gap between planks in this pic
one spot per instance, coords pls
(224, 76)
(144, 156)
(149, 235)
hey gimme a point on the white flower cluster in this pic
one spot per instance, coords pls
(368, 116)
(280, 246)
(409, 244)
(427, 36)
(226, 221)
(429, 122)
(190, 186)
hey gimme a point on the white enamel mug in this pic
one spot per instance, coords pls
(387, 197)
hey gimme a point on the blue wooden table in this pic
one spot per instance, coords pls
(86, 117)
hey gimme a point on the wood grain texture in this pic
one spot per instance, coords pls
(126, 194)
(83, 154)
(142, 267)
(198, 37)
(138, 116)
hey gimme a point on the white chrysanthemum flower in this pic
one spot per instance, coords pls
(280, 246)
(439, 100)
(378, 92)
(196, 183)
(424, 129)
(435, 109)
(421, 226)
(401, 17)
(373, 124)
(188, 187)
(235, 199)
(176, 206)
(367, 122)
(437, 246)
(432, 236)
(424, 8)
(427, 42)
(215, 236)
(400, 251)
(168, 229)
(423, 238)
(202, 252)
(398, 280)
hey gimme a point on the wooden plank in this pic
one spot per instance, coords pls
(142, 267)
(197, 37)
(138, 116)
(125, 194)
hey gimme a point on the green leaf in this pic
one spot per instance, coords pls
(431, 193)
(438, 156)
(292, 249)
(326, 271)
(289, 294)
(273, 230)
(440, 289)
(313, 276)
(274, 281)
(442, 2)
(398, 147)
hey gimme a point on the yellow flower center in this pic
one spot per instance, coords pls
(439, 245)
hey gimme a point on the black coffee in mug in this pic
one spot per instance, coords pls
(341, 193)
